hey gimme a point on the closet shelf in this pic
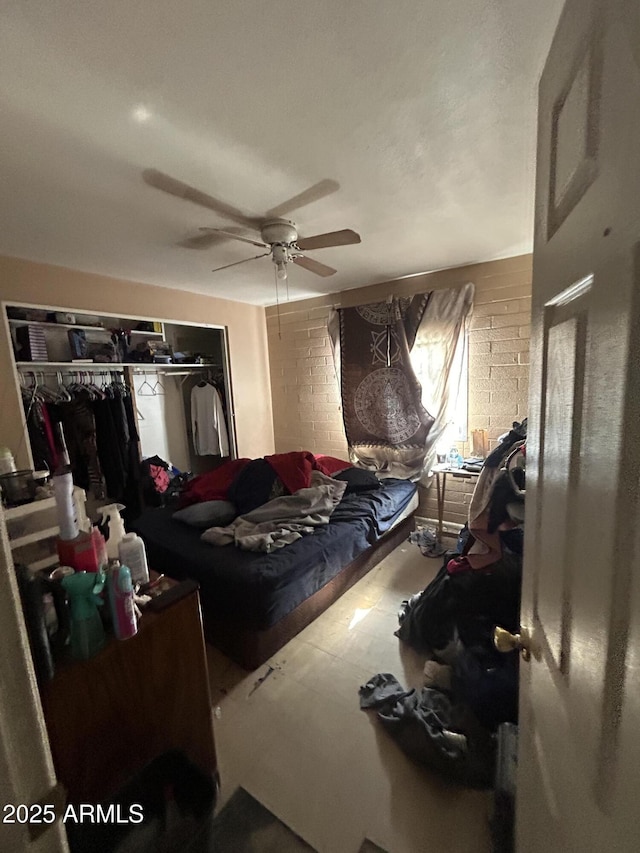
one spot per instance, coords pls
(141, 366)
(22, 510)
(73, 365)
(106, 366)
(45, 325)
(30, 538)
(44, 563)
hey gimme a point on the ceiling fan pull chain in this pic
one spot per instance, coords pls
(277, 303)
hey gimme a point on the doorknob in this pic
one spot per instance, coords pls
(504, 641)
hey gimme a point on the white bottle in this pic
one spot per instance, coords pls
(66, 507)
(111, 513)
(133, 554)
(7, 462)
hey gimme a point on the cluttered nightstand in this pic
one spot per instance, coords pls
(109, 716)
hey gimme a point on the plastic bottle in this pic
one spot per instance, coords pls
(133, 554)
(111, 514)
(63, 488)
(455, 460)
(100, 545)
(7, 462)
(87, 633)
(123, 612)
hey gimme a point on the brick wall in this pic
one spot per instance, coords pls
(306, 400)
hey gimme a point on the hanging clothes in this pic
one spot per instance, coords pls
(79, 427)
(39, 431)
(207, 422)
(100, 430)
(117, 441)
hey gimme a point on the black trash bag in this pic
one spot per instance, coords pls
(487, 681)
(467, 605)
(427, 619)
(484, 598)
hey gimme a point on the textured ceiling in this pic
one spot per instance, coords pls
(423, 111)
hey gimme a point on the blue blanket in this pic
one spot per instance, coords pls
(266, 587)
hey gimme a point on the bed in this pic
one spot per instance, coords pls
(254, 603)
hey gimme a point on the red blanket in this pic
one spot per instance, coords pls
(294, 469)
(214, 485)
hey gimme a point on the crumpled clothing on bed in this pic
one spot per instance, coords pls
(282, 520)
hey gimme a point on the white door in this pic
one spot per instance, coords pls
(579, 754)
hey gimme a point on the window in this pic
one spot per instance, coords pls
(460, 405)
(428, 358)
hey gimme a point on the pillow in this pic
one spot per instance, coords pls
(207, 514)
(357, 480)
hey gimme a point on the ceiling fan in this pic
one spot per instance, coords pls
(274, 233)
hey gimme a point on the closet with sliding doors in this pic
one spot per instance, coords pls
(126, 390)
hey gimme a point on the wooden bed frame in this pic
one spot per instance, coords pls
(251, 647)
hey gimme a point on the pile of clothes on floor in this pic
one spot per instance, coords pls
(469, 687)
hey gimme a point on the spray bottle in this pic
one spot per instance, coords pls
(113, 520)
(87, 633)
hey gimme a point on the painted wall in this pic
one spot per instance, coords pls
(306, 400)
(58, 287)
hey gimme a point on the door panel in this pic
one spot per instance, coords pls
(579, 751)
(575, 133)
(563, 378)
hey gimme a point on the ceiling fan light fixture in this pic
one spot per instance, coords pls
(277, 235)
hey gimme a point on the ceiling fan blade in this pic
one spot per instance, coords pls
(332, 238)
(177, 188)
(215, 231)
(314, 266)
(314, 193)
(246, 260)
(202, 241)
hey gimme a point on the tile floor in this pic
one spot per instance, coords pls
(300, 744)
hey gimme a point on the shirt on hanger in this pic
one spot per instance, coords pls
(207, 422)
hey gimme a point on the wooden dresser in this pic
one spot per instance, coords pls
(109, 716)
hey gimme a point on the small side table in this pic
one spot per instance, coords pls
(441, 472)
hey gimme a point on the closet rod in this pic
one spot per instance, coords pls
(78, 370)
(158, 368)
(154, 368)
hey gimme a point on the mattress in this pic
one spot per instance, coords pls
(263, 588)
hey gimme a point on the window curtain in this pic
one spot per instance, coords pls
(388, 427)
(438, 356)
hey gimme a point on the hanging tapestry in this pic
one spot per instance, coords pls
(381, 395)
(392, 419)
